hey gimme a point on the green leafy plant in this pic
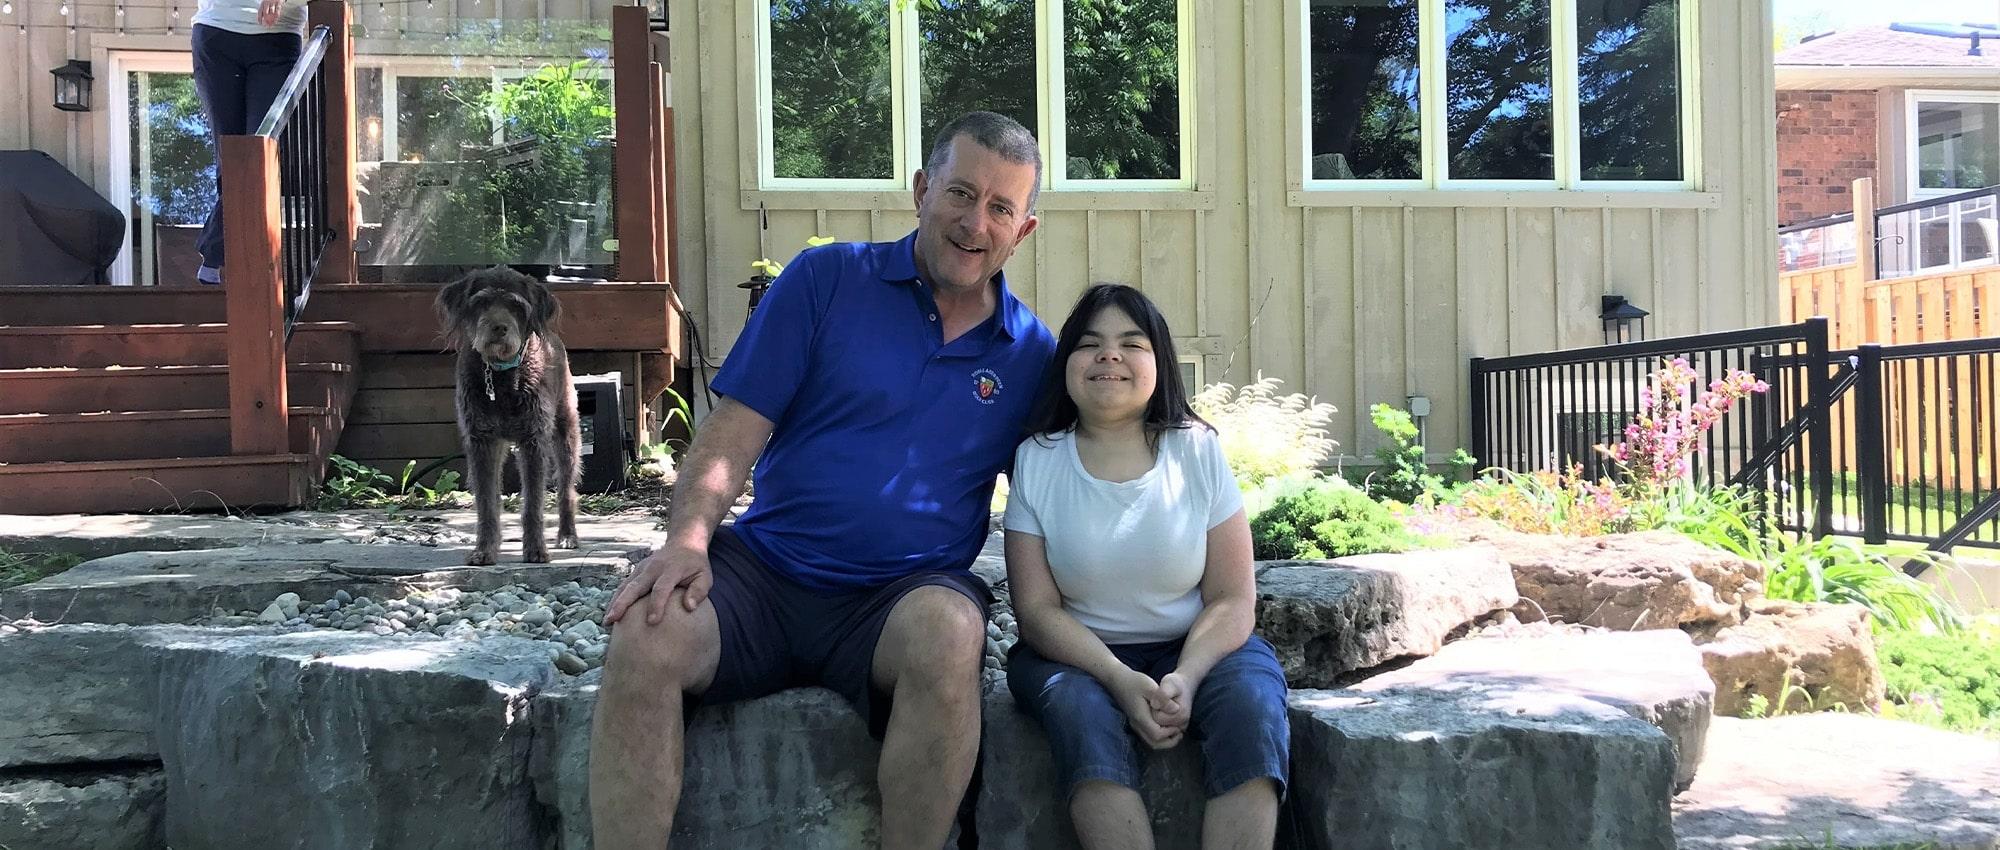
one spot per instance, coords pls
(1951, 681)
(351, 484)
(1265, 435)
(1546, 503)
(1404, 476)
(1326, 519)
(1835, 570)
(18, 568)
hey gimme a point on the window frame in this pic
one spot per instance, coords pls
(906, 95)
(1913, 100)
(1434, 124)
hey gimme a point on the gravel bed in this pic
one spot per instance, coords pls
(568, 619)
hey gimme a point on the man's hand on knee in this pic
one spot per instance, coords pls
(656, 579)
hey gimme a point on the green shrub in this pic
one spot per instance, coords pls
(18, 568)
(1946, 680)
(1330, 519)
(1832, 569)
(1265, 435)
(1403, 475)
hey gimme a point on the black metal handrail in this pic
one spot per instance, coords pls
(1927, 203)
(296, 120)
(1881, 442)
(1817, 223)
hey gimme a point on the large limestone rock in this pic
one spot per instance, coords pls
(75, 694)
(1647, 580)
(1522, 766)
(142, 588)
(1654, 676)
(1866, 782)
(114, 810)
(1331, 618)
(339, 740)
(1021, 806)
(1825, 650)
(795, 769)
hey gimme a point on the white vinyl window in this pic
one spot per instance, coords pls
(850, 93)
(1497, 94)
(1953, 142)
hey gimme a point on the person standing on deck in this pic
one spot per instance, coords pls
(243, 50)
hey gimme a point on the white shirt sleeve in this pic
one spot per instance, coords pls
(1020, 512)
(1225, 496)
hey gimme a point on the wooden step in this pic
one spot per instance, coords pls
(137, 435)
(195, 484)
(96, 346)
(137, 388)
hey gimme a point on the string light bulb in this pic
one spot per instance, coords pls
(63, 10)
(6, 8)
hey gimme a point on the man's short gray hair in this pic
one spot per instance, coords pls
(994, 132)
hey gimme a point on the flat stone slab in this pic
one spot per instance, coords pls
(141, 588)
(337, 740)
(103, 810)
(1328, 619)
(97, 536)
(1867, 782)
(1655, 676)
(75, 694)
(1421, 769)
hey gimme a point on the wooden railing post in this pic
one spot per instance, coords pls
(254, 295)
(634, 184)
(337, 265)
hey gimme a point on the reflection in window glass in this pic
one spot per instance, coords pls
(439, 118)
(1628, 89)
(1498, 90)
(173, 176)
(976, 55)
(830, 94)
(1976, 231)
(1958, 145)
(368, 114)
(1364, 98)
(1934, 237)
(1121, 69)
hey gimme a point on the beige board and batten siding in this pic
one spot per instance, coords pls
(1356, 299)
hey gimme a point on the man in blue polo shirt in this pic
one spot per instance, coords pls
(884, 387)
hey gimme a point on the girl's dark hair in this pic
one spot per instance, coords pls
(1055, 412)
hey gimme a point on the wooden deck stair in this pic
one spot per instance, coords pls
(115, 418)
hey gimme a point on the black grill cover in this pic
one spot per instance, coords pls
(54, 229)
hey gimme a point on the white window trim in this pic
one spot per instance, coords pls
(1433, 123)
(905, 76)
(1912, 100)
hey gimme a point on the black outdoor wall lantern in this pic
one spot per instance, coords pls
(73, 86)
(1623, 320)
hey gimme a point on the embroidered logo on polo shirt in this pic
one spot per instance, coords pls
(986, 385)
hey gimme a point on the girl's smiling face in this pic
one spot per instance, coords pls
(1113, 371)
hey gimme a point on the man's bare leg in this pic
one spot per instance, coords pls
(1110, 816)
(928, 657)
(1246, 818)
(635, 735)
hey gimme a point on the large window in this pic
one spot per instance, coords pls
(1954, 143)
(1496, 93)
(854, 91)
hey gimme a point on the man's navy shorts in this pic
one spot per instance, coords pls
(779, 634)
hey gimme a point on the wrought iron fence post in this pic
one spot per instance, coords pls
(1871, 453)
(1479, 447)
(1819, 436)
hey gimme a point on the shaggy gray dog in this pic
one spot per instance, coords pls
(513, 388)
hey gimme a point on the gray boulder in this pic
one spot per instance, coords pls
(114, 810)
(75, 694)
(1331, 618)
(1654, 676)
(1796, 657)
(340, 740)
(1417, 769)
(1651, 580)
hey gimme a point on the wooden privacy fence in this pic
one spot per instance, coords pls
(1940, 412)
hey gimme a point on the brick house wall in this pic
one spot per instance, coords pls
(1826, 141)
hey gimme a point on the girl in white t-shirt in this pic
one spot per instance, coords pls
(1128, 558)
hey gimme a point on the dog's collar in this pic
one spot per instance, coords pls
(502, 367)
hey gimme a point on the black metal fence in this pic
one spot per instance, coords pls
(297, 121)
(1885, 443)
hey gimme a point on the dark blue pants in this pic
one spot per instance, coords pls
(238, 77)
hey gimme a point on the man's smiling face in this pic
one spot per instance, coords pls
(971, 215)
